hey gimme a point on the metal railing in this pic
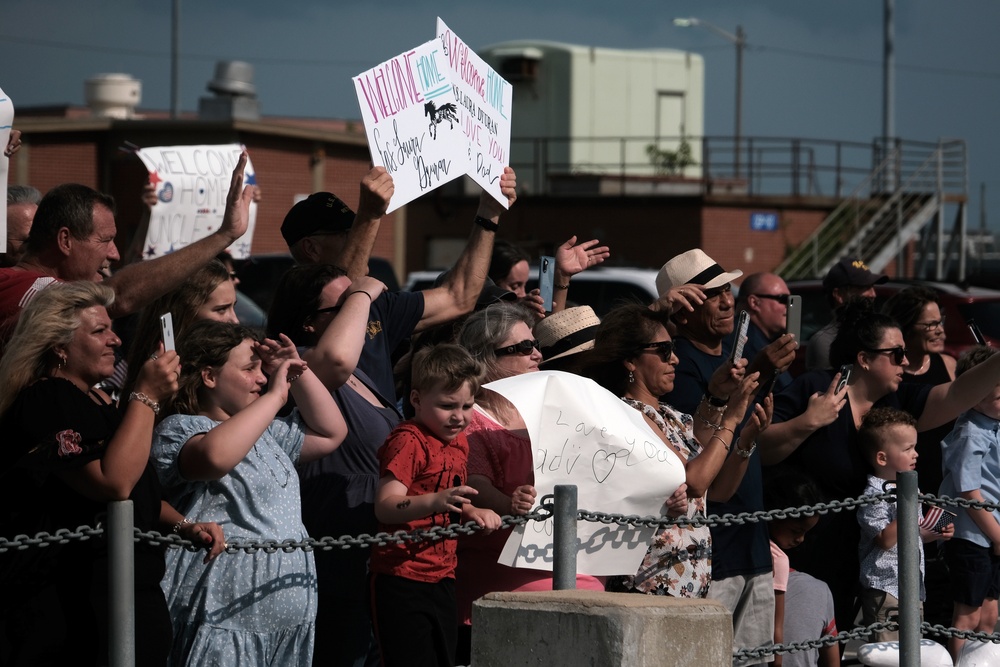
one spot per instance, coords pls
(767, 165)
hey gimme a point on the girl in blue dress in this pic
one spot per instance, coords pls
(224, 454)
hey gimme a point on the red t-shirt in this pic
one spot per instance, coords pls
(424, 464)
(17, 289)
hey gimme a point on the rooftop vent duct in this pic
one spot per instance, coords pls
(112, 95)
(235, 95)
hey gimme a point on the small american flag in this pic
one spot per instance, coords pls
(936, 519)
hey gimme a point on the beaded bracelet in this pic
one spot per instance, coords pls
(145, 400)
(180, 524)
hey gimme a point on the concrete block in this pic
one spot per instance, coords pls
(601, 629)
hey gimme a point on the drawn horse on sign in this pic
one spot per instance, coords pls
(447, 112)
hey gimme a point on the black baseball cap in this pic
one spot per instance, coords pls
(851, 272)
(319, 213)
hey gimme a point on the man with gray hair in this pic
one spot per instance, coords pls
(22, 202)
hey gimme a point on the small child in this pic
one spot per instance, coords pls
(971, 462)
(421, 485)
(888, 438)
(803, 606)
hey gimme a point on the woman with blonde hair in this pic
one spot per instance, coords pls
(68, 450)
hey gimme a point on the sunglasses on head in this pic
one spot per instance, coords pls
(897, 353)
(524, 348)
(664, 348)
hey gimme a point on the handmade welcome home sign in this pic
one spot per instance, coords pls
(411, 121)
(192, 183)
(583, 434)
(6, 124)
(484, 100)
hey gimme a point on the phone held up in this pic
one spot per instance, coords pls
(546, 280)
(740, 333)
(793, 318)
(167, 329)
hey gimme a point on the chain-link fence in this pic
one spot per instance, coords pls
(908, 625)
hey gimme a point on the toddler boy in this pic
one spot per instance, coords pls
(422, 484)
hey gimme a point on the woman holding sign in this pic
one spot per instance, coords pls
(634, 359)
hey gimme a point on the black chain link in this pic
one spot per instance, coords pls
(827, 640)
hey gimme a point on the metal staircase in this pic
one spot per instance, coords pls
(902, 194)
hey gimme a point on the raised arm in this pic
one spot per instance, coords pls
(571, 259)
(376, 191)
(457, 296)
(136, 285)
(336, 354)
(947, 401)
(114, 475)
(783, 438)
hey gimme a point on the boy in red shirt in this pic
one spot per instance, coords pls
(422, 484)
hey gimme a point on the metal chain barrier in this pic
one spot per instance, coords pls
(543, 513)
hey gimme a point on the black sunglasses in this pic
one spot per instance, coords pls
(780, 298)
(524, 348)
(897, 353)
(664, 348)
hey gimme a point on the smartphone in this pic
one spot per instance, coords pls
(977, 333)
(546, 280)
(793, 319)
(167, 329)
(742, 325)
(769, 387)
(845, 376)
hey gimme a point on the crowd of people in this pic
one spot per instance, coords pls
(360, 410)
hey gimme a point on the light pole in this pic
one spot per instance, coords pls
(740, 41)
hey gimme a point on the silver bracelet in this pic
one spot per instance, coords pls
(180, 524)
(145, 400)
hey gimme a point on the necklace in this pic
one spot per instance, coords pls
(923, 365)
(263, 460)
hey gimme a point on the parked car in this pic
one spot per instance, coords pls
(958, 305)
(260, 274)
(602, 288)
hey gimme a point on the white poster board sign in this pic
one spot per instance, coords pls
(412, 123)
(484, 101)
(6, 124)
(583, 434)
(192, 183)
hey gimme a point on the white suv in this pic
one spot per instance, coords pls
(601, 288)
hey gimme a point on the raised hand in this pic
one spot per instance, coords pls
(273, 352)
(573, 257)
(377, 189)
(237, 216)
(159, 375)
(489, 207)
(682, 296)
(824, 406)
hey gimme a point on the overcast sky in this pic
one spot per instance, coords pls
(812, 69)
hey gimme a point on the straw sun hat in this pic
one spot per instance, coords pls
(567, 332)
(693, 266)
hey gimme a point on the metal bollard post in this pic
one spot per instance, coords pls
(564, 536)
(121, 585)
(908, 543)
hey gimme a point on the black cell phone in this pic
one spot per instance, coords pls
(845, 376)
(546, 280)
(977, 333)
(793, 318)
(740, 333)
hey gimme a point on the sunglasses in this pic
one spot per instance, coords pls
(664, 348)
(780, 298)
(897, 353)
(523, 348)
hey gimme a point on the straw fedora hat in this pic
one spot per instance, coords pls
(693, 266)
(567, 332)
